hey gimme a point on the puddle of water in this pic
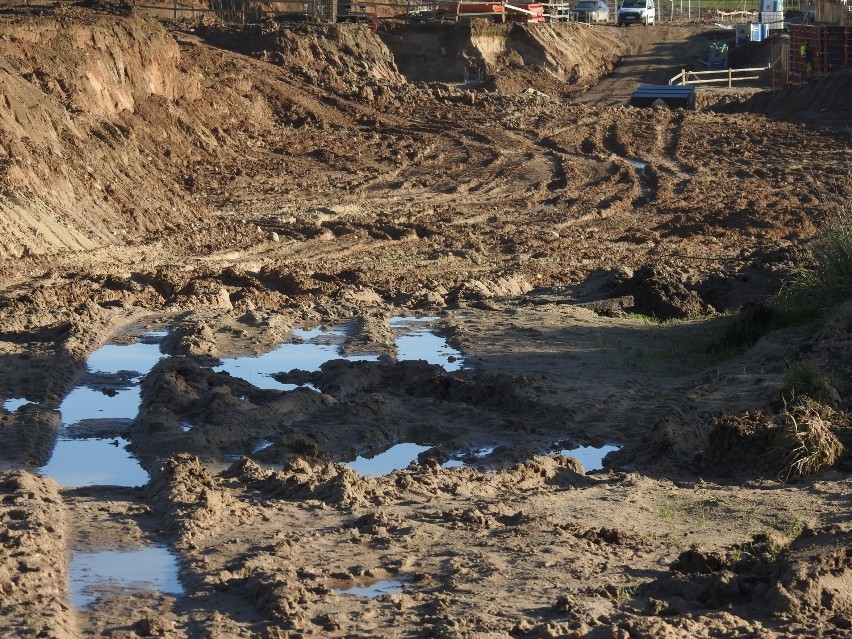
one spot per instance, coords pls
(423, 344)
(386, 587)
(395, 458)
(465, 461)
(320, 345)
(92, 575)
(86, 403)
(589, 456)
(15, 403)
(90, 462)
(639, 164)
(307, 356)
(139, 357)
(262, 446)
(404, 321)
(98, 461)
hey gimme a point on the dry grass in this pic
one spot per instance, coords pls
(806, 444)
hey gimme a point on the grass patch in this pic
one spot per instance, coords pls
(806, 379)
(806, 445)
(822, 284)
(826, 283)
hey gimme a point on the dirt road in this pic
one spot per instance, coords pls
(202, 192)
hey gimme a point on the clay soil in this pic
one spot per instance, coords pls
(233, 183)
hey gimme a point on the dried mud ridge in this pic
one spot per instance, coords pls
(233, 184)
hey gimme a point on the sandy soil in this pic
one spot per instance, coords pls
(235, 183)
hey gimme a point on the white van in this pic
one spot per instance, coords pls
(636, 12)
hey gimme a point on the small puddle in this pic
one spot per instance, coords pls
(645, 180)
(425, 345)
(469, 459)
(87, 403)
(589, 456)
(385, 587)
(395, 458)
(422, 343)
(138, 357)
(94, 462)
(15, 403)
(93, 575)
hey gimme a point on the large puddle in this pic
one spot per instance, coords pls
(316, 347)
(95, 575)
(112, 393)
(416, 340)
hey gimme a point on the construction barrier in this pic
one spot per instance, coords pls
(828, 48)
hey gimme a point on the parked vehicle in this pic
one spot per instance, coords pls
(592, 11)
(636, 12)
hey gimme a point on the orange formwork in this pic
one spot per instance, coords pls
(830, 47)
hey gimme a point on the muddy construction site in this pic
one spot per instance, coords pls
(311, 331)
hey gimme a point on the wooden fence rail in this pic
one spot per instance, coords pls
(728, 76)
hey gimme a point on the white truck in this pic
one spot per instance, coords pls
(636, 12)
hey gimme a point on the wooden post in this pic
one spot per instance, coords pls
(175, 9)
(730, 77)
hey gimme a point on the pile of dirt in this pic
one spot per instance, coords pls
(33, 567)
(505, 57)
(831, 93)
(803, 581)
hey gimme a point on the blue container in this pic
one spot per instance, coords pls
(757, 32)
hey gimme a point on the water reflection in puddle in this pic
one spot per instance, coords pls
(638, 164)
(94, 462)
(138, 357)
(15, 403)
(425, 345)
(98, 461)
(86, 403)
(422, 343)
(386, 587)
(469, 459)
(589, 456)
(395, 458)
(318, 347)
(93, 575)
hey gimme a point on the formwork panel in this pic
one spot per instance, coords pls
(829, 49)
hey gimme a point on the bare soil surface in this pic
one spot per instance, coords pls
(229, 184)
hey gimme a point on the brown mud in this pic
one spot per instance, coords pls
(232, 184)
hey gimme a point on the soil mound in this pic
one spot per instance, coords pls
(102, 107)
(659, 292)
(508, 57)
(831, 93)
